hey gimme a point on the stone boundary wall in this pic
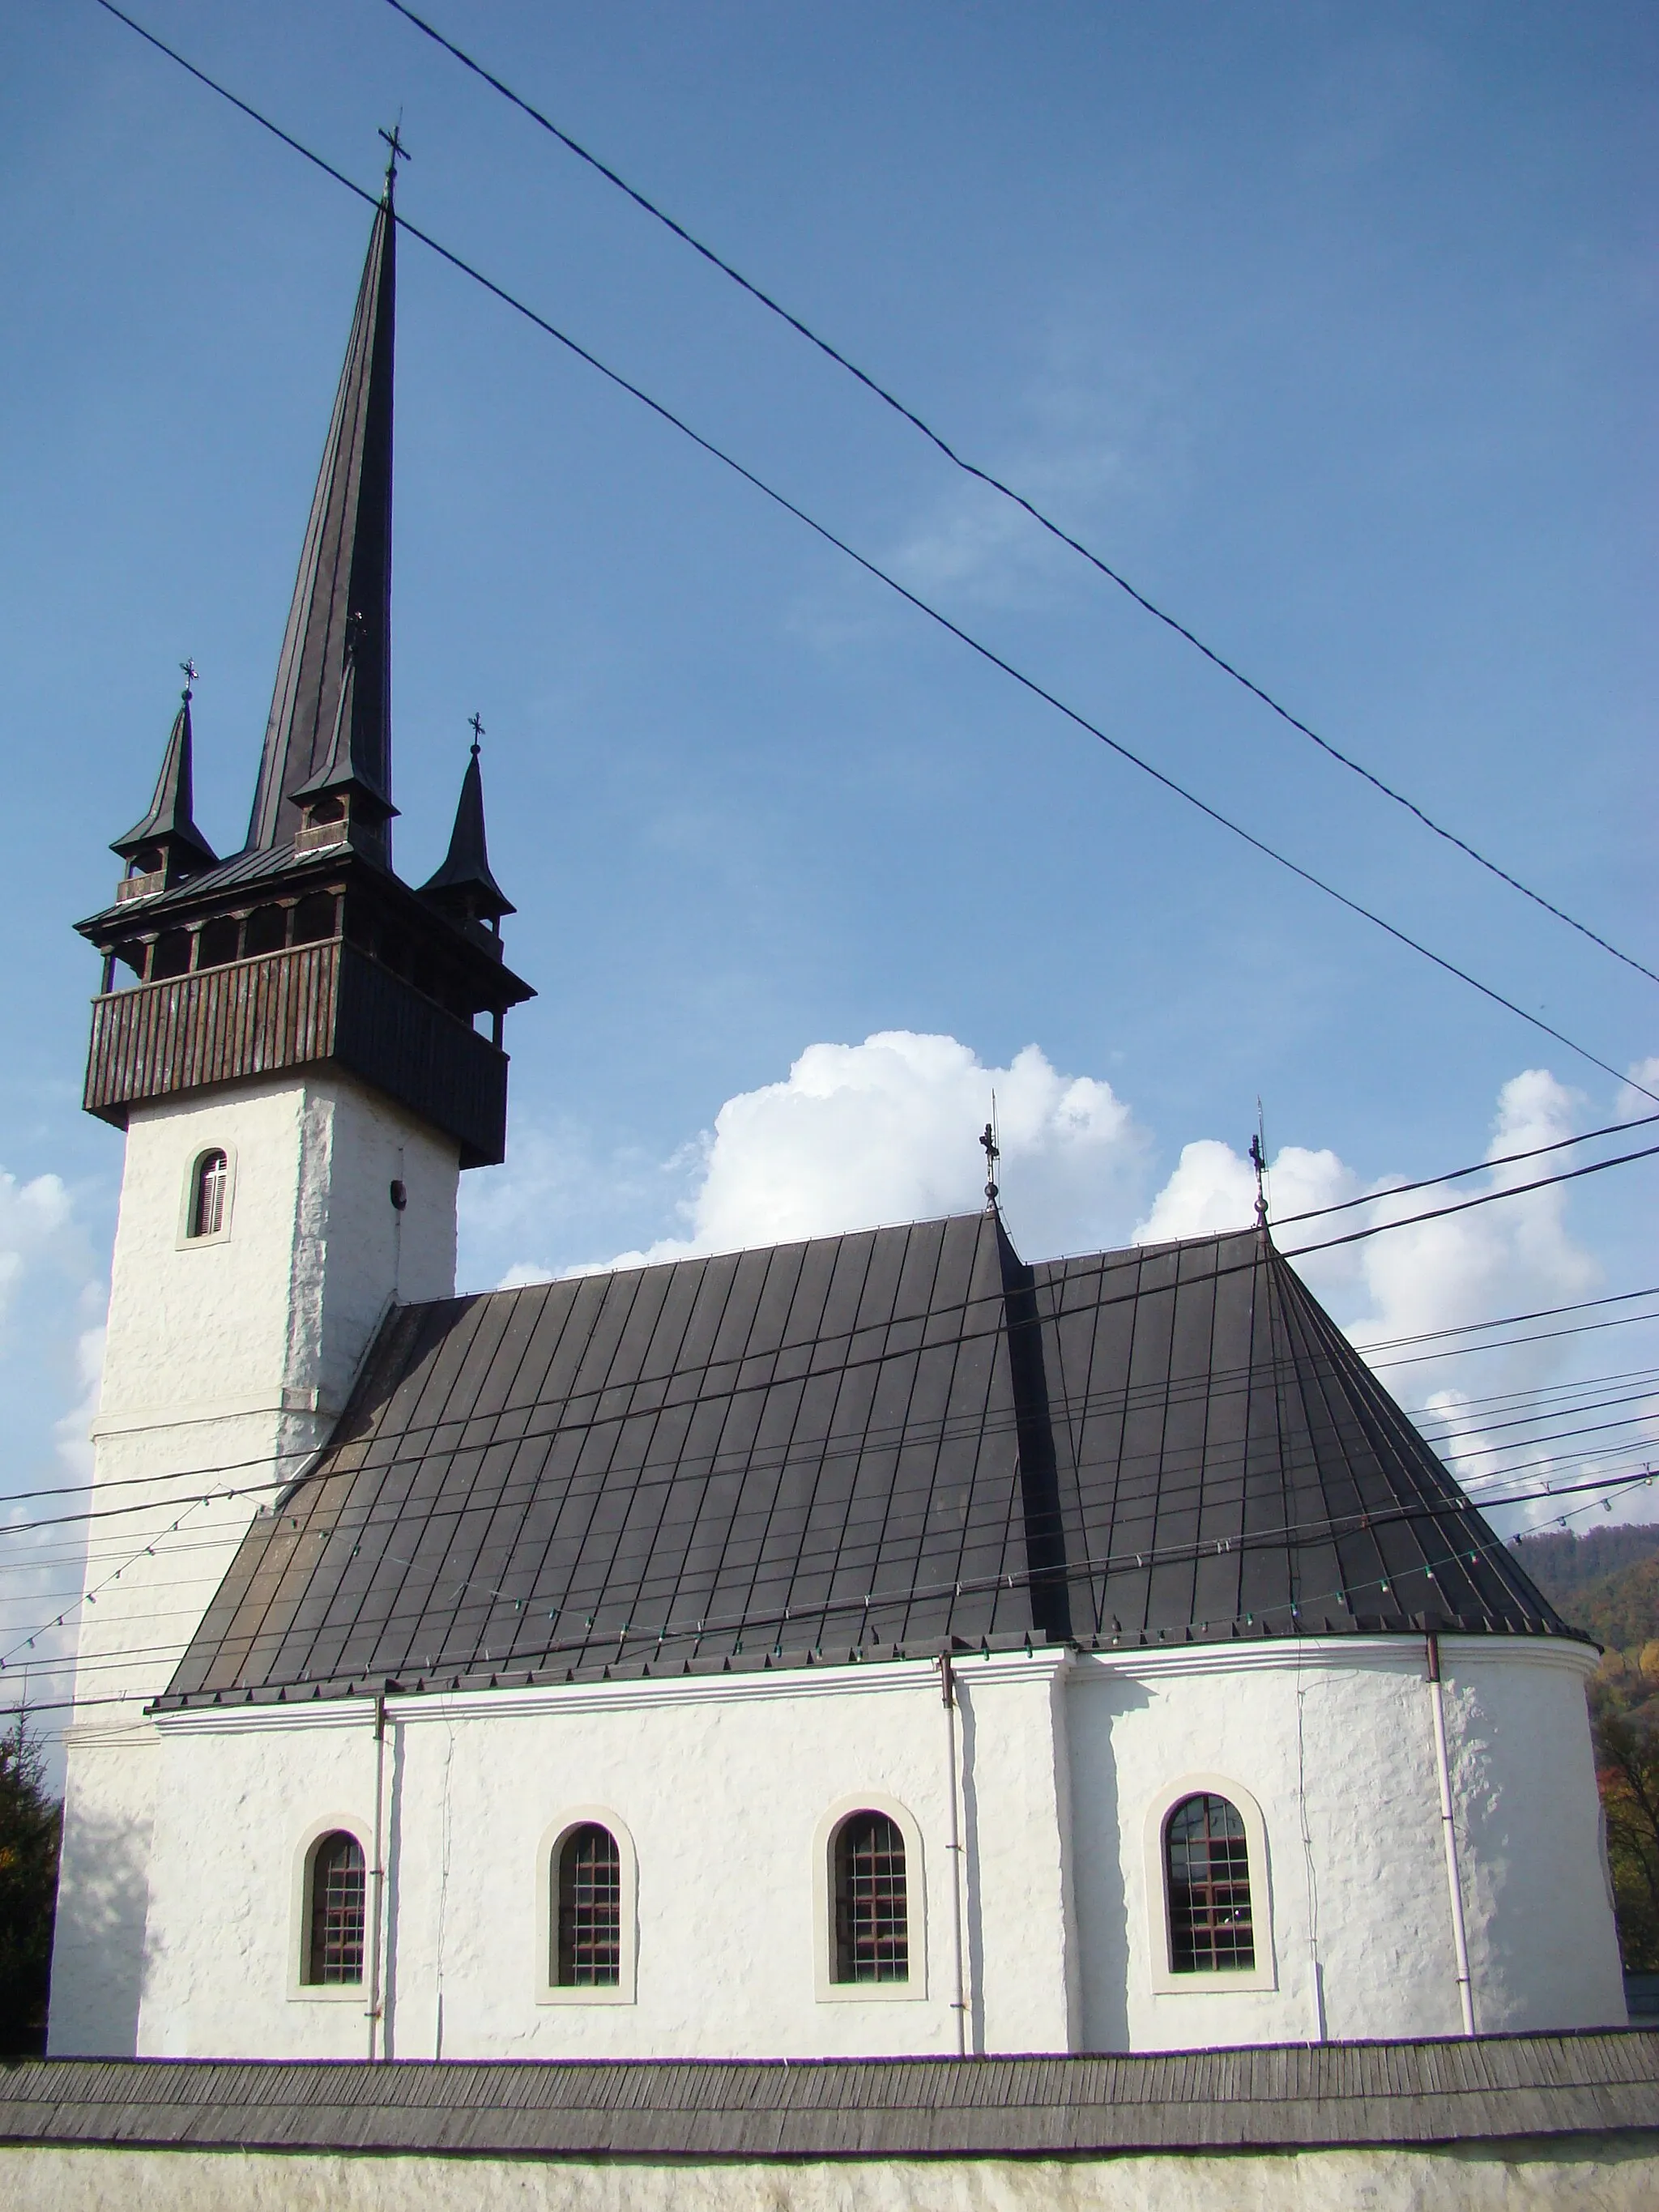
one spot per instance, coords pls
(1586, 2173)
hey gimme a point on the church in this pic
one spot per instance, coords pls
(890, 1644)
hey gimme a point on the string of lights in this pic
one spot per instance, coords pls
(357, 1526)
(1217, 1387)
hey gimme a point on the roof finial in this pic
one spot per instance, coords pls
(399, 152)
(1258, 1162)
(992, 1154)
(477, 726)
(191, 672)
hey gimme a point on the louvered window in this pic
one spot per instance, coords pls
(590, 1908)
(1208, 1867)
(873, 1934)
(207, 1198)
(335, 1948)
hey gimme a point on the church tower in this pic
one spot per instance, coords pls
(304, 1053)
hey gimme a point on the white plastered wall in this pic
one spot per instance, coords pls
(1333, 1739)
(722, 1784)
(227, 1360)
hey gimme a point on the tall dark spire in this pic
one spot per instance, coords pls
(166, 842)
(345, 573)
(463, 888)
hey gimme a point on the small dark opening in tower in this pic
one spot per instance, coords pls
(172, 955)
(314, 918)
(331, 809)
(148, 861)
(218, 942)
(266, 930)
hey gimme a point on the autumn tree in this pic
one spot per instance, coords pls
(1627, 1770)
(30, 1823)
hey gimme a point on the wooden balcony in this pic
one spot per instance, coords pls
(315, 1003)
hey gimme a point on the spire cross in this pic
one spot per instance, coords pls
(191, 672)
(477, 729)
(992, 1154)
(1258, 1162)
(399, 152)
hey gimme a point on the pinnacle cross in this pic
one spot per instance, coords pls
(1258, 1162)
(191, 671)
(477, 729)
(400, 153)
(992, 1154)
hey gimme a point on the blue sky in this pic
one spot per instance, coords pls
(1331, 328)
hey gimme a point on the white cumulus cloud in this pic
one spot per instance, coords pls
(36, 1222)
(858, 1134)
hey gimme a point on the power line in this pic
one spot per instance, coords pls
(1511, 1320)
(1084, 1569)
(1467, 1204)
(873, 569)
(1456, 1175)
(1004, 490)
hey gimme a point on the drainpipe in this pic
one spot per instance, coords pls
(377, 1877)
(1448, 1829)
(959, 2001)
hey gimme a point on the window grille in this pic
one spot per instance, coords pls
(873, 1937)
(207, 1204)
(590, 1902)
(1207, 1861)
(336, 1949)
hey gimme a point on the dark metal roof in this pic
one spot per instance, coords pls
(851, 1448)
(465, 880)
(1492, 2088)
(171, 821)
(344, 581)
(1227, 1464)
(247, 870)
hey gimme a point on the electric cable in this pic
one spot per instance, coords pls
(1507, 1321)
(1087, 1570)
(1457, 1174)
(1007, 491)
(873, 569)
(820, 1451)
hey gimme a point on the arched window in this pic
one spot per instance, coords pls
(334, 1943)
(315, 917)
(872, 1932)
(1207, 1871)
(589, 1903)
(207, 1194)
(218, 942)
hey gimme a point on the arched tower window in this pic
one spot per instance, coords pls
(334, 1943)
(589, 1903)
(872, 1932)
(207, 1195)
(1207, 1874)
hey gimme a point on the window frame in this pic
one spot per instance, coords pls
(827, 1988)
(550, 1991)
(199, 1155)
(300, 1990)
(1220, 1981)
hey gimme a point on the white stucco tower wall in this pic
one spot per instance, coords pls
(228, 1359)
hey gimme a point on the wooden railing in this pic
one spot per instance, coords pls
(284, 1010)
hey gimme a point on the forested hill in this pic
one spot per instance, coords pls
(1606, 1581)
